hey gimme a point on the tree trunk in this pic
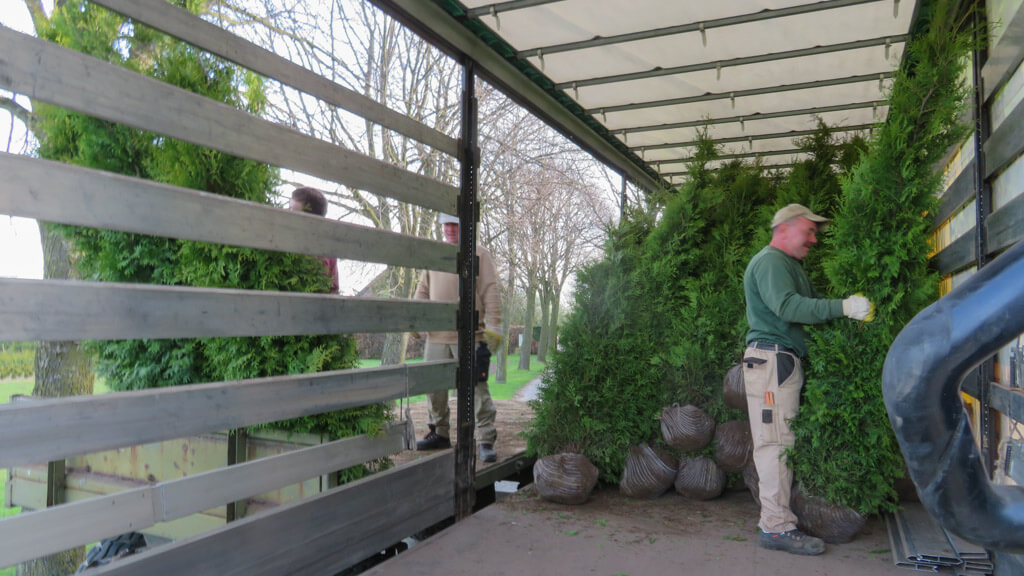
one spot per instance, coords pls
(555, 309)
(394, 348)
(545, 328)
(400, 283)
(524, 351)
(501, 365)
(62, 369)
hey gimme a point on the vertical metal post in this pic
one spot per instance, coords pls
(983, 207)
(56, 482)
(469, 154)
(238, 451)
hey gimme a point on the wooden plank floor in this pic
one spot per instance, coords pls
(612, 535)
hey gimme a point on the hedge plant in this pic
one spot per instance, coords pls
(879, 245)
(661, 318)
(135, 258)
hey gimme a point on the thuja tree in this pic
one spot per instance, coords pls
(661, 318)
(845, 449)
(120, 257)
(640, 335)
(815, 183)
(599, 396)
(691, 292)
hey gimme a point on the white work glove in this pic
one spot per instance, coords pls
(858, 307)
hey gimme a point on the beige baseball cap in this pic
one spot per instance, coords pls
(796, 211)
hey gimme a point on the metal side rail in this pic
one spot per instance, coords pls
(921, 386)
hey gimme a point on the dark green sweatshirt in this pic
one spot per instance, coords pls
(780, 301)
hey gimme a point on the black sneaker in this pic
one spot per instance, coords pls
(433, 440)
(487, 453)
(794, 542)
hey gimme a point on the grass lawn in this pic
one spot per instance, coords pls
(504, 391)
(9, 388)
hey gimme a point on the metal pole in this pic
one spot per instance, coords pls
(983, 207)
(469, 154)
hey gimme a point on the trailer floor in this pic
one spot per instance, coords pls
(612, 535)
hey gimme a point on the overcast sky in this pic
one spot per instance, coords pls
(20, 253)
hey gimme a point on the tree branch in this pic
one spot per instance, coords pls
(17, 110)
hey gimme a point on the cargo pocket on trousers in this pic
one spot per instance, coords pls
(764, 421)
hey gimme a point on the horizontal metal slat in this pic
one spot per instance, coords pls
(1006, 142)
(960, 191)
(1004, 57)
(68, 310)
(958, 255)
(52, 429)
(79, 523)
(57, 192)
(1005, 227)
(184, 25)
(1008, 401)
(289, 538)
(47, 72)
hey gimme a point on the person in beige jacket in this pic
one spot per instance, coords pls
(444, 287)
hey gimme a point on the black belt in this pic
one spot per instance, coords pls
(773, 347)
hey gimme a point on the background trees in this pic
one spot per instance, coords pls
(529, 177)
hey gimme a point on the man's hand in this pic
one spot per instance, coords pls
(858, 307)
(493, 339)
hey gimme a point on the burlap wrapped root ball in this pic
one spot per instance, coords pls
(687, 427)
(734, 391)
(648, 472)
(700, 479)
(833, 524)
(734, 447)
(565, 478)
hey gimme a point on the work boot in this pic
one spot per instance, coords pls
(487, 453)
(433, 440)
(794, 542)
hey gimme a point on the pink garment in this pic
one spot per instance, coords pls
(331, 271)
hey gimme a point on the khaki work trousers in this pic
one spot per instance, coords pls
(771, 404)
(437, 402)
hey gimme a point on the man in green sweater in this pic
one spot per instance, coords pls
(780, 301)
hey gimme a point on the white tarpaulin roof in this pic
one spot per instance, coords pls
(758, 73)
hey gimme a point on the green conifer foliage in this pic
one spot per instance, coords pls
(662, 318)
(135, 258)
(878, 244)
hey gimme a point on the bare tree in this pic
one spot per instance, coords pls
(527, 173)
(358, 46)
